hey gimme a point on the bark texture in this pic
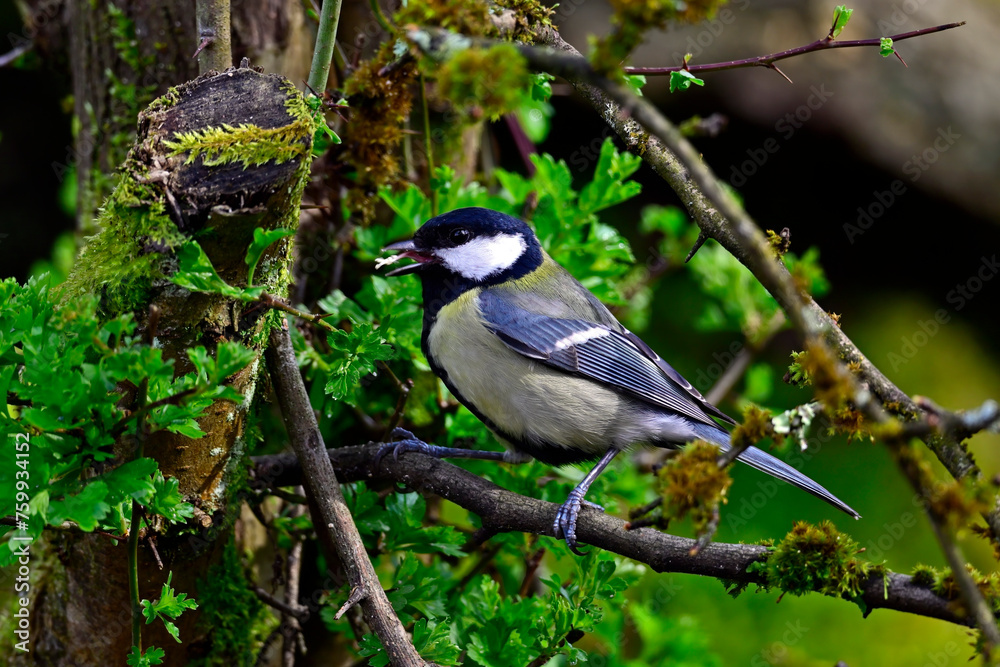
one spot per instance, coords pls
(175, 184)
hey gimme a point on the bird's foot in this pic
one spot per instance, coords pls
(401, 441)
(564, 526)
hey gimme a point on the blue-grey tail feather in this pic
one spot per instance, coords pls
(764, 462)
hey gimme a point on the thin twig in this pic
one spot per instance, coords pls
(280, 605)
(340, 537)
(769, 60)
(741, 362)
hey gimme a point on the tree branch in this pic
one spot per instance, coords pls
(332, 518)
(769, 60)
(326, 40)
(215, 51)
(504, 511)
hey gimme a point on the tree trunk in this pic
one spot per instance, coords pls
(167, 194)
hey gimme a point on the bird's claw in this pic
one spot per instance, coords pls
(564, 527)
(407, 442)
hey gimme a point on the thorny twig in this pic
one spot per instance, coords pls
(768, 61)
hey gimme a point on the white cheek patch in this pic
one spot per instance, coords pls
(483, 257)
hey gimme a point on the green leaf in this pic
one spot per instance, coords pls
(885, 47)
(169, 605)
(167, 501)
(85, 508)
(261, 240)
(196, 273)
(132, 480)
(541, 86)
(682, 80)
(370, 647)
(152, 656)
(407, 533)
(354, 356)
(635, 82)
(433, 643)
(841, 15)
(610, 186)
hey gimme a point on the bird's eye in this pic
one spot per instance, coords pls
(460, 235)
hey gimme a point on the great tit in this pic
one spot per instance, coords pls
(544, 364)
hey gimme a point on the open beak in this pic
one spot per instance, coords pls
(404, 250)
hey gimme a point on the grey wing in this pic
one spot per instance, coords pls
(615, 358)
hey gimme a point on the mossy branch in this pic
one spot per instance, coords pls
(736, 565)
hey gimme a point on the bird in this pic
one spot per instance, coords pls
(544, 364)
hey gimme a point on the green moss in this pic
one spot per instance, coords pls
(692, 483)
(484, 82)
(778, 243)
(237, 620)
(814, 366)
(530, 16)
(120, 263)
(755, 427)
(245, 143)
(925, 575)
(819, 559)
(468, 17)
(380, 105)
(946, 586)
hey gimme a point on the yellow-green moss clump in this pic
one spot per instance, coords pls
(692, 483)
(944, 584)
(245, 143)
(529, 17)
(814, 366)
(120, 262)
(468, 17)
(755, 427)
(819, 559)
(380, 104)
(484, 82)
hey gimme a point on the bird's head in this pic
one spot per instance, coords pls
(477, 245)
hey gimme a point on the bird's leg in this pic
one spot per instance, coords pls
(407, 442)
(565, 524)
